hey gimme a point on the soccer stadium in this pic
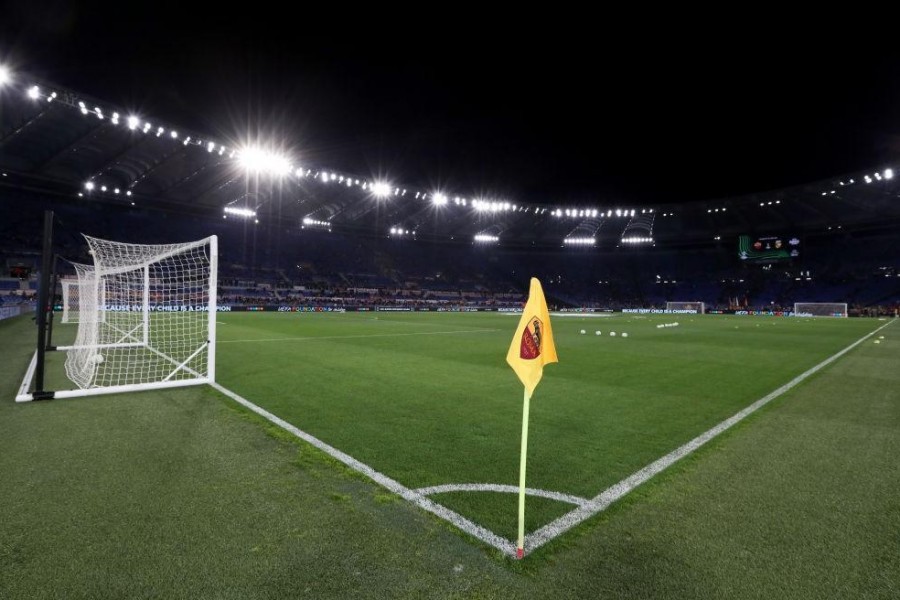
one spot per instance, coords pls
(233, 368)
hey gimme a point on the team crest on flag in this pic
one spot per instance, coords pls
(531, 339)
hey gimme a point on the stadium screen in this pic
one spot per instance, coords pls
(768, 248)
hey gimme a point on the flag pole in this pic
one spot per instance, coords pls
(520, 546)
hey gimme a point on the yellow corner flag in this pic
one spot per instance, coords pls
(532, 347)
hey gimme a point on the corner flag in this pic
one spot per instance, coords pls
(532, 347)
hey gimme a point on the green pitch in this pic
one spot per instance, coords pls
(182, 493)
(427, 399)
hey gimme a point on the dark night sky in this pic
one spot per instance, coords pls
(563, 113)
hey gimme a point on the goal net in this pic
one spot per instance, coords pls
(146, 317)
(820, 309)
(698, 307)
(71, 295)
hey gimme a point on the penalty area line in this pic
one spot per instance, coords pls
(602, 500)
(459, 521)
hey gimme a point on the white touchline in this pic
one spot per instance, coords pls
(350, 337)
(586, 508)
(617, 491)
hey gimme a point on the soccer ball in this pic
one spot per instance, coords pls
(583, 332)
(624, 335)
(597, 332)
(612, 333)
(97, 358)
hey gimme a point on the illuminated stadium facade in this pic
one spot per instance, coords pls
(62, 150)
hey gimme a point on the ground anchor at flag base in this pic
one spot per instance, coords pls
(520, 553)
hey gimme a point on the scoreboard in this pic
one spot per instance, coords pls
(768, 248)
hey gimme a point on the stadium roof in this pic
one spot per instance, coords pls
(60, 142)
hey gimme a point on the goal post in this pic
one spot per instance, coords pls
(697, 306)
(146, 318)
(820, 309)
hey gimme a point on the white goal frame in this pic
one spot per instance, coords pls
(700, 307)
(820, 309)
(115, 326)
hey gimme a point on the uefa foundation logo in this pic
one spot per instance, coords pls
(531, 340)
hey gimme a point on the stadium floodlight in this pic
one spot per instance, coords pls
(116, 191)
(240, 212)
(102, 188)
(89, 186)
(381, 189)
(888, 173)
(258, 160)
(133, 122)
(580, 241)
(210, 146)
(438, 199)
(34, 92)
(174, 135)
(483, 238)
(637, 240)
(5, 76)
(128, 193)
(307, 221)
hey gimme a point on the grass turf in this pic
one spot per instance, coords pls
(178, 494)
(429, 400)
